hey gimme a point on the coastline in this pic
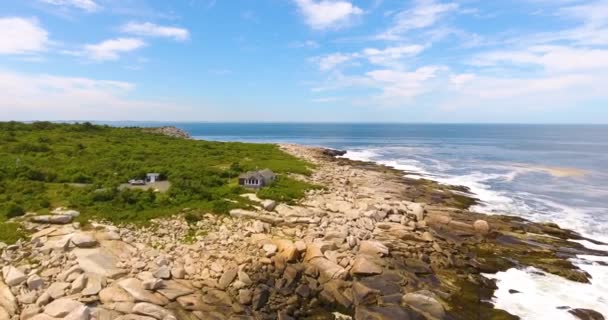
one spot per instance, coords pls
(372, 244)
(542, 289)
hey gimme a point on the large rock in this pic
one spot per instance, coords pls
(328, 270)
(135, 288)
(53, 219)
(8, 302)
(363, 294)
(154, 311)
(270, 249)
(240, 213)
(334, 292)
(62, 307)
(83, 240)
(164, 272)
(34, 282)
(586, 314)
(269, 205)
(260, 297)
(95, 283)
(287, 249)
(425, 303)
(99, 261)
(364, 265)
(227, 277)
(245, 296)
(114, 294)
(371, 247)
(481, 227)
(417, 210)
(57, 289)
(80, 313)
(64, 211)
(13, 276)
(173, 289)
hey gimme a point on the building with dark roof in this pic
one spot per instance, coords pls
(257, 179)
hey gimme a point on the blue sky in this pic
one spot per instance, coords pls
(526, 61)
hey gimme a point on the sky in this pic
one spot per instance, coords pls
(444, 61)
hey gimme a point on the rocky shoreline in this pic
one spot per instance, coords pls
(370, 245)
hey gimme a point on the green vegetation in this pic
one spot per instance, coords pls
(44, 165)
(286, 190)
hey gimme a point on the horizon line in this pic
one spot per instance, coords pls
(308, 122)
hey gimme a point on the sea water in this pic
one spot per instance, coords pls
(547, 173)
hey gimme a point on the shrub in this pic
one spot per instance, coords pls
(14, 210)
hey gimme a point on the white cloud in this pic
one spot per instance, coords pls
(148, 29)
(460, 79)
(424, 14)
(593, 13)
(550, 58)
(21, 36)
(86, 5)
(111, 49)
(310, 44)
(48, 97)
(391, 55)
(331, 61)
(401, 84)
(326, 14)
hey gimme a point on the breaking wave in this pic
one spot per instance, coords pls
(500, 190)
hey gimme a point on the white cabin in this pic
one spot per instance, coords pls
(152, 177)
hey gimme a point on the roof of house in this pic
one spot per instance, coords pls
(153, 174)
(260, 174)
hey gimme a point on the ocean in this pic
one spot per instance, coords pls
(548, 173)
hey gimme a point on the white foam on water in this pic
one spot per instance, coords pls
(540, 293)
(593, 246)
(361, 155)
(373, 155)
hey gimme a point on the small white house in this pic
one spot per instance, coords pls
(152, 177)
(257, 179)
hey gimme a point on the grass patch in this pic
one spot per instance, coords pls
(45, 165)
(286, 189)
(11, 232)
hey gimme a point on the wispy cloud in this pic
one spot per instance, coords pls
(423, 14)
(327, 14)
(304, 44)
(402, 84)
(86, 5)
(550, 58)
(148, 29)
(22, 36)
(332, 61)
(390, 56)
(112, 48)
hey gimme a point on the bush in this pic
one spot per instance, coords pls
(14, 210)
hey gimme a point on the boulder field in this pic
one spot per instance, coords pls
(369, 245)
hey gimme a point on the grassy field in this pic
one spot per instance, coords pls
(45, 165)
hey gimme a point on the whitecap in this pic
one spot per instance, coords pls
(539, 294)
